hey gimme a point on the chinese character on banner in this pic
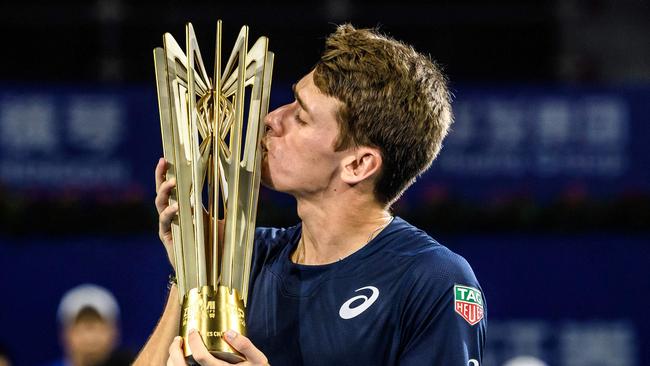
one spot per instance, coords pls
(28, 126)
(597, 343)
(507, 124)
(553, 122)
(95, 124)
(606, 122)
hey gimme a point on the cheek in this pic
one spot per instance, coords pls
(300, 158)
(287, 154)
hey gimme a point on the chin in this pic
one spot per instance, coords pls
(265, 178)
(271, 181)
(267, 181)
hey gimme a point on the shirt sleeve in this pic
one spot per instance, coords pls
(444, 316)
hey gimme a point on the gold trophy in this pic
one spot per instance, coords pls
(205, 140)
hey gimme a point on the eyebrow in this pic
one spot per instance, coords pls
(300, 101)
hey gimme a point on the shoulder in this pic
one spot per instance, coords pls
(429, 262)
(269, 241)
(435, 280)
(413, 244)
(274, 235)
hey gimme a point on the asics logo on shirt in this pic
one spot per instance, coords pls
(348, 312)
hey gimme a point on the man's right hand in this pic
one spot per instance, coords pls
(166, 213)
(254, 357)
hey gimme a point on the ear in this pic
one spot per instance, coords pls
(360, 164)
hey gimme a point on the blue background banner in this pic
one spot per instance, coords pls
(508, 141)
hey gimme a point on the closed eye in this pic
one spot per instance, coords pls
(300, 120)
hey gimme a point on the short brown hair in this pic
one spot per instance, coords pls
(394, 98)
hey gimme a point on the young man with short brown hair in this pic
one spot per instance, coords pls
(350, 284)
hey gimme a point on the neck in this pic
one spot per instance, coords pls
(336, 227)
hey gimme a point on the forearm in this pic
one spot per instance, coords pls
(155, 351)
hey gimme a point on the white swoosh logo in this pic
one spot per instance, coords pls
(346, 312)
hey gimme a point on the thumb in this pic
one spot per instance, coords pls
(245, 347)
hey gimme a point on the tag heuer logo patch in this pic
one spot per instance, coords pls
(468, 303)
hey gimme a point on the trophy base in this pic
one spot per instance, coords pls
(212, 312)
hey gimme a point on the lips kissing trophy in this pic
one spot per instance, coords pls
(214, 155)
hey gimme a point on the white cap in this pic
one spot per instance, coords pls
(525, 361)
(87, 295)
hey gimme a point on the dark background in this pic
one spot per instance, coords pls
(543, 184)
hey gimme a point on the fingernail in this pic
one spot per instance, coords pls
(178, 339)
(175, 206)
(192, 331)
(230, 334)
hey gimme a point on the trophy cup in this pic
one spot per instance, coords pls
(215, 158)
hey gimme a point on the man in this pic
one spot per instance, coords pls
(351, 284)
(89, 317)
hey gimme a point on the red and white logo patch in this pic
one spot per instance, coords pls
(468, 303)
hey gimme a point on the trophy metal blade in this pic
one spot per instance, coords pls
(196, 89)
(265, 94)
(166, 129)
(233, 220)
(215, 168)
(177, 76)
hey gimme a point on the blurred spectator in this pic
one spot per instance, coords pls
(4, 357)
(89, 317)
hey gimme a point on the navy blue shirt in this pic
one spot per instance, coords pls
(402, 299)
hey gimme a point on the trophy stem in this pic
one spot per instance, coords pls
(212, 312)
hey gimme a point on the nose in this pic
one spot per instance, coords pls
(273, 121)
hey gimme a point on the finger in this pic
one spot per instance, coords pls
(200, 353)
(163, 193)
(161, 172)
(167, 216)
(245, 347)
(176, 357)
